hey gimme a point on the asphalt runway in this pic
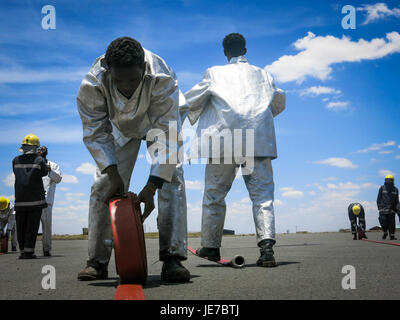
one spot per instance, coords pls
(309, 267)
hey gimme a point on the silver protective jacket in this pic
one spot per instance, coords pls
(235, 96)
(107, 116)
(7, 217)
(49, 182)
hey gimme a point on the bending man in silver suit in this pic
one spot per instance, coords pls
(128, 95)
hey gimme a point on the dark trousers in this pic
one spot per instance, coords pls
(28, 223)
(361, 223)
(388, 222)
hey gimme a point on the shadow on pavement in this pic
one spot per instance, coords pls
(112, 282)
(155, 281)
(279, 263)
(297, 245)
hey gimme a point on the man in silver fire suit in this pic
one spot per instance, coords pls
(7, 218)
(130, 94)
(49, 183)
(236, 103)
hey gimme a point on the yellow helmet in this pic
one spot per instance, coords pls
(356, 209)
(4, 203)
(389, 176)
(31, 140)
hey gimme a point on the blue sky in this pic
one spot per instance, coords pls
(336, 139)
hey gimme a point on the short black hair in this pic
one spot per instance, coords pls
(234, 44)
(124, 52)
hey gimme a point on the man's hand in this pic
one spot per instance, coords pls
(116, 188)
(147, 196)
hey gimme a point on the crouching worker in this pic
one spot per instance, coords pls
(7, 219)
(236, 98)
(128, 94)
(29, 168)
(356, 211)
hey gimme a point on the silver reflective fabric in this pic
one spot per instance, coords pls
(46, 219)
(235, 96)
(171, 209)
(51, 180)
(49, 183)
(218, 182)
(153, 105)
(113, 128)
(7, 219)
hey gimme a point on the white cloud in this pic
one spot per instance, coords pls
(318, 54)
(9, 180)
(378, 11)
(278, 202)
(48, 133)
(22, 75)
(385, 172)
(74, 195)
(87, 168)
(386, 152)
(351, 186)
(376, 146)
(336, 105)
(398, 156)
(67, 178)
(337, 162)
(10, 197)
(330, 179)
(18, 109)
(194, 185)
(289, 192)
(318, 90)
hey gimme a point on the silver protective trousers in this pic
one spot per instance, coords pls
(46, 227)
(11, 228)
(171, 220)
(218, 182)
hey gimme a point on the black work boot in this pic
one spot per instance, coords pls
(46, 254)
(392, 237)
(354, 236)
(384, 236)
(27, 255)
(211, 254)
(174, 271)
(93, 271)
(267, 254)
(14, 249)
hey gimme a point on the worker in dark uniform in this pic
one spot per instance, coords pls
(356, 211)
(388, 200)
(29, 168)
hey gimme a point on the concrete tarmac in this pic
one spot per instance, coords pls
(309, 267)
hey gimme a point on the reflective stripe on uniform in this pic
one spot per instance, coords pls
(30, 203)
(26, 166)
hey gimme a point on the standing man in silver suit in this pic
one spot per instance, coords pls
(237, 102)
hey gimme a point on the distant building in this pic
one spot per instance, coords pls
(85, 231)
(230, 232)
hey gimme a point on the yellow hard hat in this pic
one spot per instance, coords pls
(31, 140)
(4, 203)
(389, 176)
(356, 209)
